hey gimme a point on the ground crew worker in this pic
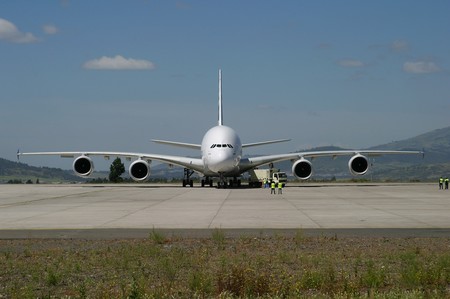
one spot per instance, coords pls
(441, 183)
(265, 183)
(280, 188)
(446, 183)
(272, 187)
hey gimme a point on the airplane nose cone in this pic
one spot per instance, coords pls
(222, 162)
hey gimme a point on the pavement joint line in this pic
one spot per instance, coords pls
(153, 204)
(355, 202)
(50, 212)
(219, 209)
(24, 203)
(303, 213)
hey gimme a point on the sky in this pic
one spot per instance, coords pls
(112, 75)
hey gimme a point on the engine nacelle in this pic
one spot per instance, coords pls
(83, 166)
(358, 164)
(302, 169)
(139, 170)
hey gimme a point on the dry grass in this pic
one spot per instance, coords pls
(221, 267)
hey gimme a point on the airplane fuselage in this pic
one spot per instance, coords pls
(221, 151)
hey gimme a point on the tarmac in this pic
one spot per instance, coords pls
(132, 211)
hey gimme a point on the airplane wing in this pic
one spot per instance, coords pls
(180, 144)
(248, 163)
(198, 146)
(264, 142)
(192, 163)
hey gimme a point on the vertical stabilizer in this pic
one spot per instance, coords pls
(220, 123)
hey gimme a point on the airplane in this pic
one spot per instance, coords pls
(221, 157)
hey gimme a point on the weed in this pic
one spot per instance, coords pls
(312, 279)
(200, 283)
(410, 271)
(82, 290)
(136, 291)
(157, 237)
(53, 278)
(168, 269)
(218, 236)
(375, 275)
(299, 236)
(233, 282)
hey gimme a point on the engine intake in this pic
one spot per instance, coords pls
(358, 164)
(139, 170)
(83, 166)
(302, 169)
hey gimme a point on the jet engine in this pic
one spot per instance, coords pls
(139, 170)
(358, 164)
(83, 166)
(302, 169)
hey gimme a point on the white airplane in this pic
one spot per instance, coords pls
(221, 157)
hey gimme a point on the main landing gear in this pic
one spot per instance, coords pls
(222, 183)
(207, 181)
(187, 177)
(187, 181)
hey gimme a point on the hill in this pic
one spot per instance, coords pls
(436, 145)
(16, 171)
(435, 163)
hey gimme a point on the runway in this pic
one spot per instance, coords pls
(116, 210)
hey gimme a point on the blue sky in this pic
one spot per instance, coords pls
(111, 75)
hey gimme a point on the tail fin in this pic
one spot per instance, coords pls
(220, 123)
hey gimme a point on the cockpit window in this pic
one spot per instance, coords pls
(221, 145)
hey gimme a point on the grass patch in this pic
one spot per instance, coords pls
(218, 236)
(247, 267)
(157, 236)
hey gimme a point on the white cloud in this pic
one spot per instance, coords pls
(400, 46)
(350, 63)
(10, 33)
(420, 67)
(50, 29)
(118, 63)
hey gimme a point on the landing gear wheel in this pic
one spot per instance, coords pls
(187, 177)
